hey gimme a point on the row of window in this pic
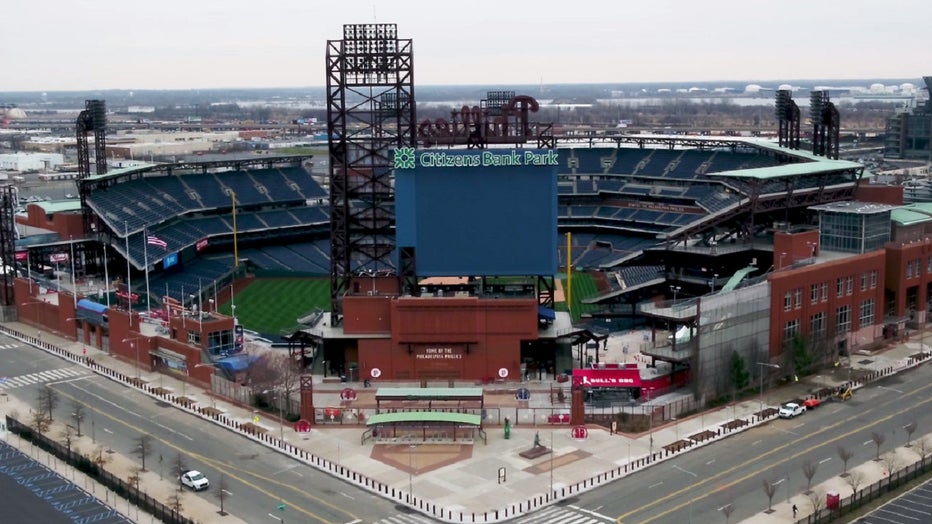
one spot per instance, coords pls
(914, 268)
(843, 286)
(818, 321)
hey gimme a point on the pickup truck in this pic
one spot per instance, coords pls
(790, 410)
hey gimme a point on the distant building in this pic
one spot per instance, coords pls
(909, 131)
(23, 162)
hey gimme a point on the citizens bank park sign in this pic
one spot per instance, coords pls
(409, 158)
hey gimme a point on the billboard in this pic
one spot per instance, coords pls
(169, 260)
(478, 212)
(607, 378)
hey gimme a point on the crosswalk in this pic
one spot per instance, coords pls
(563, 515)
(548, 515)
(8, 346)
(50, 375)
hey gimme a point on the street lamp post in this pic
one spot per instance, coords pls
(133, 345)
(675, 289)
(712, 282)
(692, 483)
(762, 365)
(411, 449)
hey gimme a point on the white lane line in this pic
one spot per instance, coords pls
(85, 377)
(823, 461)
(657, 484)
(593, 513)
(166, 428)
(347, 496)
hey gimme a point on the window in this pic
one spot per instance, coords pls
(817, 326)
(787, 301)
(790, 330)
(874, 276)
(815, 293)
(840, 287)
(864, 281)
(824, 291)
(867, 313)
(909, 269)
(798, 295)
(843, 319)
(194, 338)
(929, 269)
(850, 285)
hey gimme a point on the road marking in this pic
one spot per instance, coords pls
(890, 389)
(797, 426)
(787, 431)
(592, 512)
(166, 428)
(85, 377)
(108, 431)
(756, 442)
(823, 461)
(657, 484)
(229, 470)
(778, 449)
(709, 463)
(357, 521)
(347, 496)
(866, 442)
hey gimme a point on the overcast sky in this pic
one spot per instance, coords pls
(183, 44)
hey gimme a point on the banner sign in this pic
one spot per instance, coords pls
(607, 378)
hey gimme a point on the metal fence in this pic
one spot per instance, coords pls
(93, 470)
(867, 494)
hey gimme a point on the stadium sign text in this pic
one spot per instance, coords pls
(405, 158)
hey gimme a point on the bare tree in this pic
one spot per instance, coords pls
(727, 510)
(816, 500)
(770, 489)
(845, 455)
(179, 467)
(891, 462)
(910, 429)
(221, 492)
(924, 446)
(40, 421)
(135, 475)
(100, 458)
(174, 501)
(68, 436)
(809, 470)
(48, 399)
(77, 415)
(879, 439)
(143, 448)
(855, 479)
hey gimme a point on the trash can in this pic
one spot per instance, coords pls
(832, 500)
(342, 378)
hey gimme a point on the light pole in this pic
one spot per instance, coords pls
(762, 365)
(692, 484)
(712, 282)
(551, 462)
(134, 346)
(650, 420)
(281, 424)
(411, 449)
(675, 289)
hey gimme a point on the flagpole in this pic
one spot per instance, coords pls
(235, 247)
(129, 282)
(74, 286)
(106, 276)
(145, 251)
(168, 313)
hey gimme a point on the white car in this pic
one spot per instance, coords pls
(195, 480)
(791, 409)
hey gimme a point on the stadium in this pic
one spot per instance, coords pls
(525, 275)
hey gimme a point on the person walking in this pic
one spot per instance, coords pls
(795, 509)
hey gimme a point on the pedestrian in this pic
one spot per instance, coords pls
(795, 509)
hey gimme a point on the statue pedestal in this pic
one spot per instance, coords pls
(535, 452)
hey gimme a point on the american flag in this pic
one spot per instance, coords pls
(153, 240)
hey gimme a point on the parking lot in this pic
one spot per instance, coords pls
(915, 506)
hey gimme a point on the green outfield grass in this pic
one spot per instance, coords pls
(583, 288)
(272, 305)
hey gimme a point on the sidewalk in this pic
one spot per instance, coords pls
(577, 465)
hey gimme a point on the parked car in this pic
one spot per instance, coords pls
(811, 402)
(791, 409)
(195, 480)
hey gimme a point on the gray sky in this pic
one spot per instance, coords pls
(180, 44)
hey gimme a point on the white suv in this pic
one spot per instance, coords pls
(791, 409)
(195, 480)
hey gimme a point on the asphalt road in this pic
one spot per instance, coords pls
(696, 486)
(258, 479)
